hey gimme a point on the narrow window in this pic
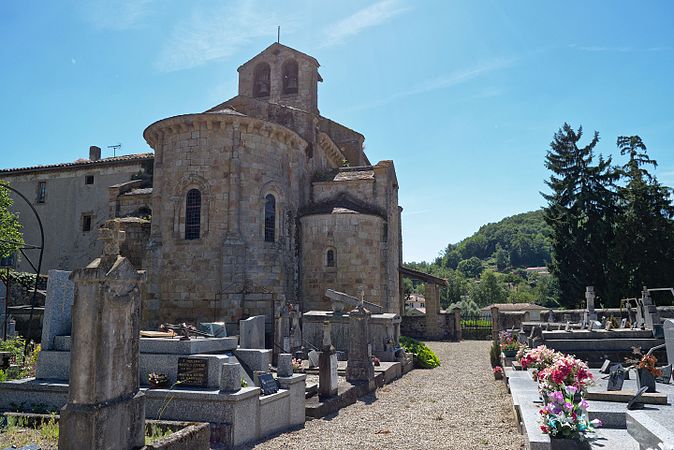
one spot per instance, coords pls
(89, 179)
(193, 214)
(261, 80)
(86, 223)
(290, 77)
(330, 258)
(269, 218)
(41, 191)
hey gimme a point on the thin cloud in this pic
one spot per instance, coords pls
(115, 14)
(609, 49)
(444, 82)
(210, 35)
(361, 20)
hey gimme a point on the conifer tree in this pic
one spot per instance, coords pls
(644, 246)
(580, 211)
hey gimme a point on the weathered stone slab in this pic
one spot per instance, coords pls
(57, 319)
(251, 332)
(624, 396)
(170, 346)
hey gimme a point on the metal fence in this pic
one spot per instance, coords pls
(476, 327)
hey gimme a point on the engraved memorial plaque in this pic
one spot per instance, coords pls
(193, 372)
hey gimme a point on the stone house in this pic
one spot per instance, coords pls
(256, 203)
(72, 200)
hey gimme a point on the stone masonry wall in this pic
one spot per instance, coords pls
(356, 241)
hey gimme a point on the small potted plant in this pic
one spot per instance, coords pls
(498, 372)
(157, 380)
(508, 343)
(297, 365)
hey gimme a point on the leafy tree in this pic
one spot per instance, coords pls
(471, 267)
(489, 290)
(502, 258)
(11, 238)
(456, 290)
(644, 248)
(580, 211)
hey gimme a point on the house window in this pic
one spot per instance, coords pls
(261, 80)
(269, 218)
(41, 191)
(193, 214)
(290, 77)
(86, 223)
(330, 258)
(89, 179)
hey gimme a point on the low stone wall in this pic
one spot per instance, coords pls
(415, 327)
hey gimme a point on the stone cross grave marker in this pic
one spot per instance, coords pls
(589, 298)
(105, 407)
(359, 366)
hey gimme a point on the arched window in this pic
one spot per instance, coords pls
(261, 80)
(330, 258)
(193, 214)
(290, 77)
(269, 218)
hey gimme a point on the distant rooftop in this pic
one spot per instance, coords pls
(80, 163)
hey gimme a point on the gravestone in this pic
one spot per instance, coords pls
(568, 326)
(668, 326)
(105, 407)
(359, 366)
(268, 384)
(616, 378)
(586, 319)
(589, 299)
(605, 366)
(666, 374)
(57, 319)
(216, 329)
(623, 323)
(609, 325)
(640, 314)
(651, 314)
(251, 332)
(635, 402)
(284, 367)
(313, 358)
(327, 365)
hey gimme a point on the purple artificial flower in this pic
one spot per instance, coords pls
(568, 406)
(584, 404)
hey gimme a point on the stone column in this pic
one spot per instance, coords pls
(105, 408)
(432, 296)
(495, 325)
(327, 365)
(359, 368)
(457, 324)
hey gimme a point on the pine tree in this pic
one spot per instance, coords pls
(644, 248)
(580, 211)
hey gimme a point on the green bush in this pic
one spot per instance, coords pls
(425, 357)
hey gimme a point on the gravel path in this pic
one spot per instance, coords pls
(455, 406)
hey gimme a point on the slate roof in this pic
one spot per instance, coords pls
(81, 163)
(143, 191)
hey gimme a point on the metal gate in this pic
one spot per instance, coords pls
(476, 327)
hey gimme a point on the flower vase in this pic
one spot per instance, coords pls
(509, 353)
(645, 378)
(568, 444)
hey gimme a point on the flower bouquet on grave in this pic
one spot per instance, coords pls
(498, 372)
(508, 343)
(646, 369)
(566, 372)
(538, 359)
(297, 365)
(564, 418)
(157, 380)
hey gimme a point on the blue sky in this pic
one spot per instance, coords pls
(463, 96)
